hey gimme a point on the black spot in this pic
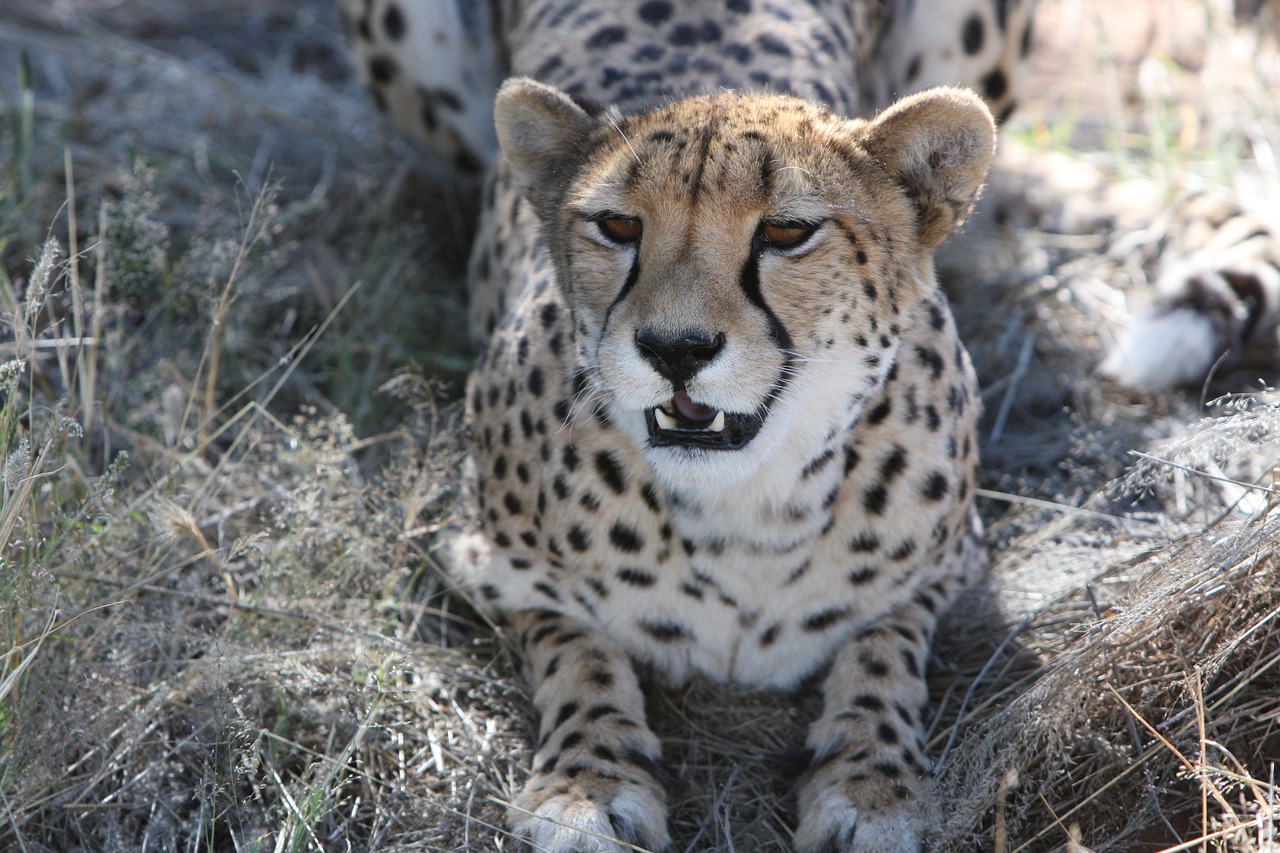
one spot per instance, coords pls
(578, 539)
(650, 53)
(382, 69)
(739, 6)
(625, 538)
(595, 712)
(875, 499)
(449, 99)
(770, 43)
(770, 635)
(548, 590)
(928, 357)
(560, 486)
(542, 633)
(569, 456)
(607, 37)
(851, 460)
(664, 632)
(913, 67)
(738, 52)
(875, 667)
(863, 575)
(549, 314)
(861, 257)
(490, 592)
(393, 22)
(683, 35)
(937, 319)
(611, 472)
(817, 464)
(512, 503)
(864, 543)
(903, 551)
(602, 678)
(887, 733)
(535, 382)
(824, 619)
(636, 577)
(500, 467)
(972, 35)
(995, 85)
(655, 12)
(867, 702)
(912, 665)
(936, 487)
(467, 162)
(879, 413)
(893, 464)
(650, 496)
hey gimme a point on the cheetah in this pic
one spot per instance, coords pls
(721, 424)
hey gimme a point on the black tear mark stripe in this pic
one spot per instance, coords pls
(749, 281)
(633, 275)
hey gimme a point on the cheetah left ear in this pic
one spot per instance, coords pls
(938, 145)
(543, 134)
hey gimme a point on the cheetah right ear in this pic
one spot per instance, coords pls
(541, 132)
(938, 145)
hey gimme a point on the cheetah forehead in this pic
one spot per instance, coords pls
(789, 157)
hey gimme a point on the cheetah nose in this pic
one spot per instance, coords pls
(679, 358)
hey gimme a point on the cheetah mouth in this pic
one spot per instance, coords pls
(680, 422)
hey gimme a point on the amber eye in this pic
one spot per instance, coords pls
(785, 235)
(620, 229)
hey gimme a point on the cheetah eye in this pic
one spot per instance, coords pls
(620, 229)
(784, 235)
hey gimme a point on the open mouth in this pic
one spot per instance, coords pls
(680, 422)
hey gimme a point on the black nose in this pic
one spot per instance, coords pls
(678, 359)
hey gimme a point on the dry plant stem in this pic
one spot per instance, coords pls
(87, 358)
(213, 348)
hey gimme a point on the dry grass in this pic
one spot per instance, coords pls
(223, 475)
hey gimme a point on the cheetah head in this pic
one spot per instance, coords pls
(739, 267)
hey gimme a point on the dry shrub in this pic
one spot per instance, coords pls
(1152, 720)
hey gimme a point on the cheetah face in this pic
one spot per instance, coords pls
(738, 267)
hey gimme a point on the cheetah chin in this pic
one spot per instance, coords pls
(681, 422)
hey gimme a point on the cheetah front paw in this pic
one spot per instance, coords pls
(834, 824)
(590, 811)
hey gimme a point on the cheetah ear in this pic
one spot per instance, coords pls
(541, 132)
(938, 144)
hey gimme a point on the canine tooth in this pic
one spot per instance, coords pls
(717, 425)
(664, 420)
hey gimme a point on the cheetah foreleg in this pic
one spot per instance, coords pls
(863, 788)
(596, 785)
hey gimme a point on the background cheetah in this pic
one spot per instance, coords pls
(250, 645)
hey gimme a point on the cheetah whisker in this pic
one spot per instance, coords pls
(614, 124)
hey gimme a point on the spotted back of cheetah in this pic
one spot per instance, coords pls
(722, 424)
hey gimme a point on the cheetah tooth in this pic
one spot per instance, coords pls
(717, 425)
(664, 420)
